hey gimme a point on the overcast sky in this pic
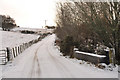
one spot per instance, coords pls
(29, 13)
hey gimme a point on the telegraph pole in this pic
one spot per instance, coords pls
(45, 22)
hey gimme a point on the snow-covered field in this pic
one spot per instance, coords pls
(12, 39)
(43, 60)
(37, 30)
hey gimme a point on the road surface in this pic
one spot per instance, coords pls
(43, 60)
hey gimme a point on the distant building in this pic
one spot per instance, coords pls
(50, 27)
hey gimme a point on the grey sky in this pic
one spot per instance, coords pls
(29, 13)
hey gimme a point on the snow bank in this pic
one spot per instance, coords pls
(90, 54)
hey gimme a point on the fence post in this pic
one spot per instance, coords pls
(107, 61)
(16, 51)
(13, 52)
(23, 46)
(8, 54)
(112, 56)
(20, 49)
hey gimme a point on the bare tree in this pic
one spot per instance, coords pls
(90, 23)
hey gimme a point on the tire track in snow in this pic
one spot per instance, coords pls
(61, 67)
(35, 64)
(35, 67)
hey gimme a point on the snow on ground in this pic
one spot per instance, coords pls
(11, 39)
(0, 72)
(119, 72)
(43, 60)
(0, 48)
(90, 54)
(119, 76)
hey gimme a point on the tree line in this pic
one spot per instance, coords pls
(8, 22)
(89, 26)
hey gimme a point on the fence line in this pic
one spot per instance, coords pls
(15, 51)
(11, 53)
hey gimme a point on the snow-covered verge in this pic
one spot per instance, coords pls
(85, 63)
(110, 67)
(12, 39)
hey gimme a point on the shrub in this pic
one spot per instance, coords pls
(66, 46)
(27, 32)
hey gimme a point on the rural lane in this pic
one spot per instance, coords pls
(43, 60)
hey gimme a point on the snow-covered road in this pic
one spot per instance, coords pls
(43, 60)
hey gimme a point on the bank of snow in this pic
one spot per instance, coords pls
(90, 54)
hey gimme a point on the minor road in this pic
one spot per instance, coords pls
(43, 60)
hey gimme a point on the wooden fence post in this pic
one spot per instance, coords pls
(8, 54)
(13, 52)
(16, 51)
(20, 49)
(11, 55)
(23, 47)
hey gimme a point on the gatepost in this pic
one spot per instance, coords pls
(112, 56)
(107, 60)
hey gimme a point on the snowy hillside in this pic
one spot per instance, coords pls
(11, 39)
